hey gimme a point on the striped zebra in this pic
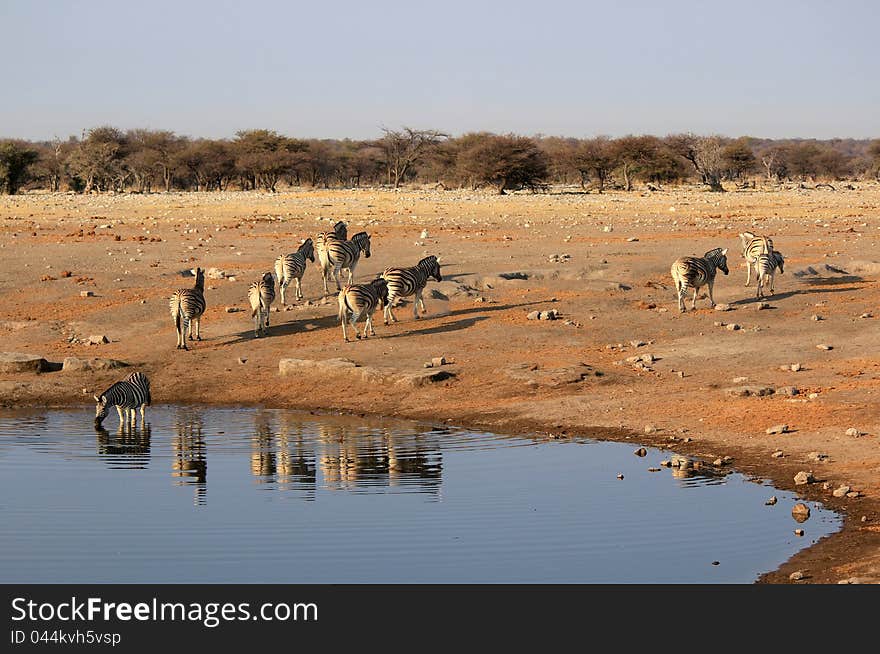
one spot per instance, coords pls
(752, 247)
(292, 267)
(404, 282)
(344, 254)
(340, 231)
(127, 396)
(694, 272)
(765, 267)
(187, 307)
(261, 295)
(362, 299)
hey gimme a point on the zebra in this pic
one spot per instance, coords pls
(765, 268)
(340, 231)
(187, 307)
(694, 272)
(261, 295)
(403, 282)
(752, 247)
(127, 395)
(362, 299)
(292, 267)
(344, 254)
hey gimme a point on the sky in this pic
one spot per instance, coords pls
(337, 69)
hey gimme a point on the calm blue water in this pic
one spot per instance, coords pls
(249, 495)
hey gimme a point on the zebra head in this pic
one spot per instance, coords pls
(719, 258)
(307, 249)
(745, 237)
(101, 409)
(431, 265)
(362, 240)
(269, 278)
(200, 279)
(340, 231)
(779, 259)
(381, 286)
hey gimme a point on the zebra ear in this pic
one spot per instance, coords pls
(97, 399)
(439, 257)
(724, 251)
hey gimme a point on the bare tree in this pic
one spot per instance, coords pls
(705, 154)
(404, 149)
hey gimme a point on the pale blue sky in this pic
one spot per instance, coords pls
(344, 69)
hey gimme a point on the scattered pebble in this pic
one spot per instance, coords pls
(653, 469)
(798, 532)
(778, 454)
(641, 452)
(762, 306)
(824, 346)
(800, 512)
(777, 429)
(242, 360)
(650, 429)
(86, 294)
(841, 491)
(771, 501)
(723, 307)
(804, 477)
(619, 476)
(816, 318)
(852, 431)
(733, 327)
(796, 576)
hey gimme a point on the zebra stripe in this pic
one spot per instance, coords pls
(362, 299)
(694, 272)
(127, 395)
(765, 268)
(292, 267)
(340, 231)
(753, 247)
(261, 295)
(187, 306)
(404, 282)
(344, 254)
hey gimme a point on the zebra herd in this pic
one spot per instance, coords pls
(696, 272)
(335, 253)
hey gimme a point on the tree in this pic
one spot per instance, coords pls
(264, 156)
(874, 155)
(16, 158)
(403, 150)
(594, 159)
(210, 164)
(738, 158)
(633, 154)
(705, 153)
(98, 159)
(506, 162)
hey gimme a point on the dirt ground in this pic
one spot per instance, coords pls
(511, 374)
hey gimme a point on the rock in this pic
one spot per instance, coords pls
(607, 229)
(795, 367)
(438, 361)
(800, 512)
(816, 318)
(826, 485)
(777, 429)
(641, 452)
(647, 358)
(852, 431)
(637, 343)
(619, 476)
(723, 307)
(740, 380)
(534, 315)
(679, 461)
(853, 495)
(796, 576)
(97, 339)
(233, 309)
(74, 364)
(823, 346)
(552, 314)
(864, 315)
(632, 239)
(762, 305)
(215, 273)
(798, 532)
(787, 390)
(771, 501)
(653, 469)
(841, 491)
(718, 463)
(242, 360)
(733, 327)
(817, 457)
(804, 477)
(307, 366)
(424, 234)
(778, 454)
(86, 294)
(666, 464)
(17, 362)
(650, 429)
(749, 391)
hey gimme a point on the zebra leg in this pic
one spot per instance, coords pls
(749, 272)
(370, 325)
(344, 335)
(417, 300)
(711, 299)
(121, 418)
(386, 311)
(694, 301)
(336, 270)
(679, 293)
(772, 279)
(199, 328)
(258, 319)
(299, 295)
(283, 286)
(354, 319)
(143, 415)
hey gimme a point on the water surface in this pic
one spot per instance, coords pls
(248, 495)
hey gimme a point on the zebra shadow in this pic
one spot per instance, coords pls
(458, 325)
(768, 297)
(296, 326)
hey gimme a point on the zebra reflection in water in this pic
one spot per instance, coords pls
(189, 464)
(128, 447)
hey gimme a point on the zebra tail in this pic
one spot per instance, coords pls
(177, 311)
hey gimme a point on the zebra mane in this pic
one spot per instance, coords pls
(428, 259)
(713, 254)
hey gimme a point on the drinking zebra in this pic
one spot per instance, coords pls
(694, 272)
(362, 299)
(292, 267)
(404, 282)
(753, 247)
(765, 267)
(187, 307)
(344, 254)
(261, 295)
(128, 395)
